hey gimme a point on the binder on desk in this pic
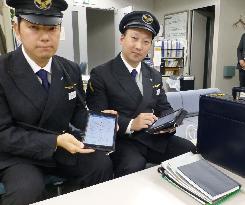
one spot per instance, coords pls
(199, 178)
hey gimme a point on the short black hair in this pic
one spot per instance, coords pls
(18, 21)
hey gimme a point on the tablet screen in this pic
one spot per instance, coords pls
(100, 130)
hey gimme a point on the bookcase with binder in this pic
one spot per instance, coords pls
(170, 56)
(172, 61)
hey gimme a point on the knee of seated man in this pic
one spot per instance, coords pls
(132, 167)
(103, 161)
(188, 146)
(180, 146)
(32, 191)
(99, 162)
(25, 193)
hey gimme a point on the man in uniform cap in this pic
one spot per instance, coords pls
(134, 90)
(38, 105)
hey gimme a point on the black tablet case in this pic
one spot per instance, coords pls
(221, 132)
(177, 121)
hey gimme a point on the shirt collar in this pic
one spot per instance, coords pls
(129, 67)
(34, 66)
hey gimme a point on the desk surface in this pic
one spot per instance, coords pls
(143, 188)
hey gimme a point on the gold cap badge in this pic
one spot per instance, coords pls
(43, 4)
(147, 18)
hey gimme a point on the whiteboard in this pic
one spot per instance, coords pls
(175, 25)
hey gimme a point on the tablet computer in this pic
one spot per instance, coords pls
(100, 132)
(172, 119)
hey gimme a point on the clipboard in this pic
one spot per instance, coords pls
(100, 131)
(172, 119)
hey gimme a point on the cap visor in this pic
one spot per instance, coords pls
(143, 26)
(42, 20)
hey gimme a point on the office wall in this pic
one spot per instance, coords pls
(1, 21)
(162, 7)
(66, 46)
(198, 48)
(7, 27)
(228, 39)
(100, 28)
(117, 4)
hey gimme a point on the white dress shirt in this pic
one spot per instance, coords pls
(36, 67)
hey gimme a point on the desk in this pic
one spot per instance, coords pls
(142, 188)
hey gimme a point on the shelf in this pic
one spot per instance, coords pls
(174, 49)
(174, 67)
(172, 58)
(171, 68)
(170, 71)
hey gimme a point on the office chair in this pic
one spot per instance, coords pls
(2, 189)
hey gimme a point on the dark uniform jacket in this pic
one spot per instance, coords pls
(112, 87)
(241, 51)
(24, 100)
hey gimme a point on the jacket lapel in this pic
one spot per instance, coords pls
(26, 80)
(56, 90)
(121, 73)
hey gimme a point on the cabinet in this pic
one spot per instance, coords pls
(172, 61)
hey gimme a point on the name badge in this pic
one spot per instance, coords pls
(158, 92)
(72, 95)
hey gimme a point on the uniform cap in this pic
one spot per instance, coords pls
(44, 12)
(140, 19)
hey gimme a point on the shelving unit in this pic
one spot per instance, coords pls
(172, 62)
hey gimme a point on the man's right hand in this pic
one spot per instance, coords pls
(143, 120)
(71, 144)
(242, 63)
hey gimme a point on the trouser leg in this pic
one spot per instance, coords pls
(128, 157)
(177, 146)
(242, 77)
(89, 169)
(24, 184)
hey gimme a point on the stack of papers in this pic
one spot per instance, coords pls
(197, 177)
